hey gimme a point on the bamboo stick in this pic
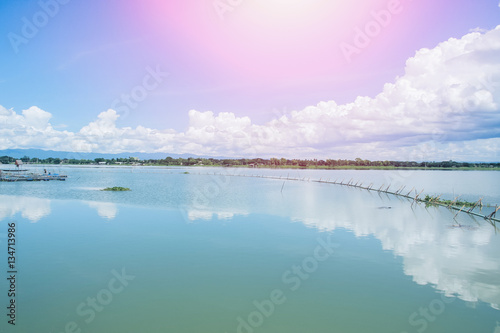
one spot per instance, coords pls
(453, 202)
(459, 211)
(416, 197)
(490, 218)
(435, 200)
(470, 210)
(494, 213)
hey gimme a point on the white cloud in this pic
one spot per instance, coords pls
(478, 29)
(445, 106)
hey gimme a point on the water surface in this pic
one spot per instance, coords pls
(198, 253)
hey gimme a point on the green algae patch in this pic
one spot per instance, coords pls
(116, 189)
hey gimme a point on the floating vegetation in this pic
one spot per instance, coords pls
(186, 172)
(116, 188)
(434, 201)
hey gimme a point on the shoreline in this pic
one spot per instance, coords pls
(344, 167)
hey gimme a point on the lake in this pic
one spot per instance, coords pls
(215, 251)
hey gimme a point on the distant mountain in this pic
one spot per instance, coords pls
(39, 153)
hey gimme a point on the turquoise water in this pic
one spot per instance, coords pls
(198, 253)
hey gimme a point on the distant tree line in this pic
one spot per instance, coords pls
(51, 160)
(255, 162)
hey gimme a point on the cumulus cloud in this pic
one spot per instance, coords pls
(445, 106)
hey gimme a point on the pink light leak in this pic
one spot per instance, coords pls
(271, 42)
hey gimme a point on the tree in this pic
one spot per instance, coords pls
(6, 159)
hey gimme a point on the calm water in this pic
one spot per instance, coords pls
(199, 253)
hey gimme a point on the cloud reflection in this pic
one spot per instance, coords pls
(461, 259)
(32, 209)
(106, 210)
(207, 215)
(457, 259)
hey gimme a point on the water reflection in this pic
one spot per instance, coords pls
(106, 210)
(207, 215)
(457, 257)
(460, 258)
(32, 209)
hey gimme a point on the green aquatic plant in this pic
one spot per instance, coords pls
(432, 200)
(116, 188)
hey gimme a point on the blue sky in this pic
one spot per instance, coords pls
(262, 78)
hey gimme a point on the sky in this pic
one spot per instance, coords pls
(375, 79)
